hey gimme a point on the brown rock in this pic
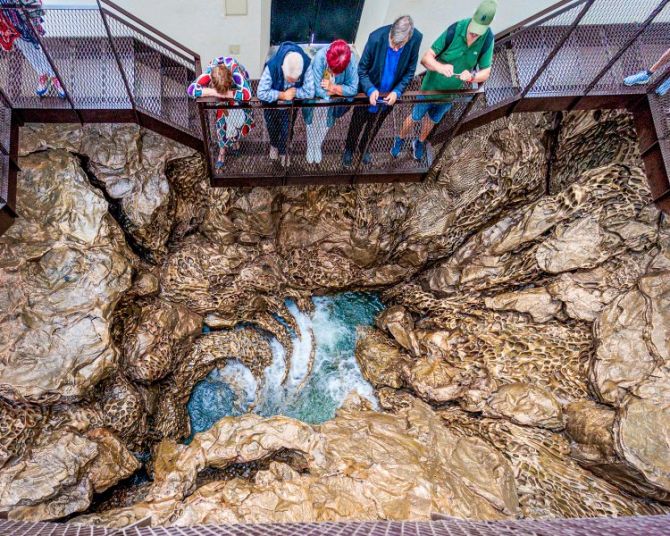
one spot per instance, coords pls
(380, 360)
(62, 272)
(397, 321)
(526, 405)
(361, 465)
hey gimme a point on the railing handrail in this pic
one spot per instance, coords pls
(129, 20)
(211, 103)
(151, 29)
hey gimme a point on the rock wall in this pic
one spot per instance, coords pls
(521, 363)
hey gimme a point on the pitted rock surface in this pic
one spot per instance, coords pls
(536, 323)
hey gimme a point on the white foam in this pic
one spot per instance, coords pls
(302, 349)
(242, 382)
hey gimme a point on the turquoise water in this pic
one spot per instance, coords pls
(311, 394)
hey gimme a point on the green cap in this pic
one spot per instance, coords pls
(483, 17)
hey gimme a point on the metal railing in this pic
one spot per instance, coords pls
(575, 50)
(571, 52)
(110, 64)
(291, 125)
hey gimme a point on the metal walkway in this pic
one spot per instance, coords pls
(115, 68)
(573, 55)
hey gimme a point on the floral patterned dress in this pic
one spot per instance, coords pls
(231, 125)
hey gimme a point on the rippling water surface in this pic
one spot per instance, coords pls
(322, 368)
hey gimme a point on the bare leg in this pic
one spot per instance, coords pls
(665, 58)
(426, 128)
(222, 155)
(407, 128)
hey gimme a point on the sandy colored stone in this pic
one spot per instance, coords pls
(526, 405)
(536, 302)
(63, 270)
(642, 440)
(156, 333)
(380, 360)
(49, 469)
(398, 322)
(113, 463)
(361, 465)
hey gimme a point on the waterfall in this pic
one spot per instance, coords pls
(322, 368)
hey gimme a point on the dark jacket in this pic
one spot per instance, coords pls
(275, 65)
(371, 66)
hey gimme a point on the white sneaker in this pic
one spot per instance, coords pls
(274, 153)
(285, 160)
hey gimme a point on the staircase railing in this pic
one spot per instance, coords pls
(111, 67)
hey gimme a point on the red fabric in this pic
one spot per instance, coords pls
(338, 56)
(8, 33)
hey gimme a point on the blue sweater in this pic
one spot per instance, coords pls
(373, 60)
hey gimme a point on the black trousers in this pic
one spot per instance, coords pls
(277, 123)
(366, 125)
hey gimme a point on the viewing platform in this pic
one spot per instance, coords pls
(115, 68)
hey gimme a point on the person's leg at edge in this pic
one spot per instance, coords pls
(663, 89)
(405, 132)
(320, 132)
(272, 125)
(372, 127)
(358, 116)
(643, 77)
(284, 120)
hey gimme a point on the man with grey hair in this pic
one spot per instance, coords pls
(387, 67)
(286, 77)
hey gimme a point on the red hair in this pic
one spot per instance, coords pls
(338, 56)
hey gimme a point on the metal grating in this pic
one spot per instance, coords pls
(627, 526)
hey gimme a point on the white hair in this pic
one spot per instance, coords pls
(402, 29)
(292, 66)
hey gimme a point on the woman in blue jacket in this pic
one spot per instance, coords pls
(335, 71)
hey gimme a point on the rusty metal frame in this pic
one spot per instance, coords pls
(537, 19)
(118, 62)
(619, 53)
(549, 59)
(47, 55)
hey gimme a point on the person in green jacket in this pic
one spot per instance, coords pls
(462, 55)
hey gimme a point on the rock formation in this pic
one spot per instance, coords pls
(361, 464)
(521, 364)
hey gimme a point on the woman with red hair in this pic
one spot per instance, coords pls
(335, 70)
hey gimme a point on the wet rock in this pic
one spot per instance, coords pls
(361, 465)
(61, 274)
(209, 351)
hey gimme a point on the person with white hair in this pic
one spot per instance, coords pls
(387, 66)
(286, 77)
